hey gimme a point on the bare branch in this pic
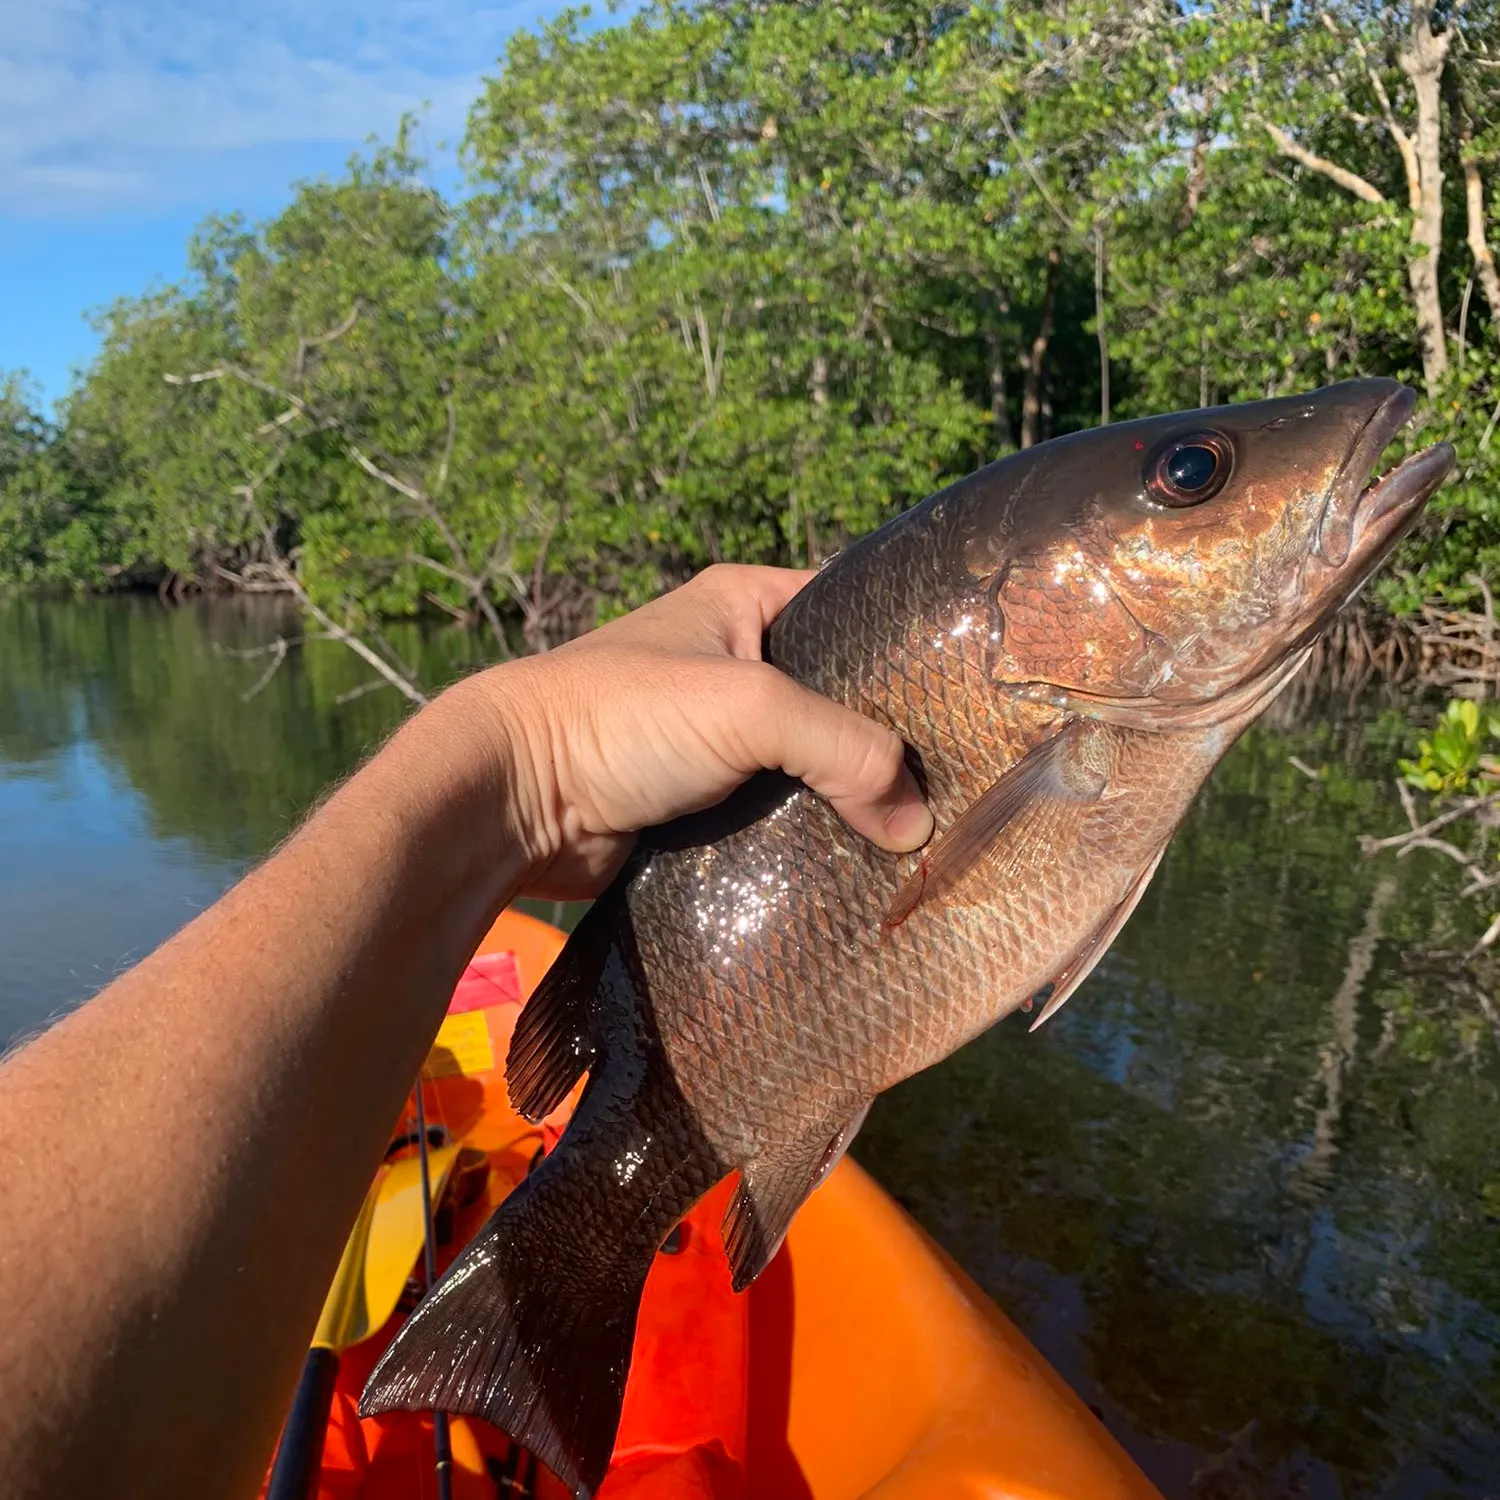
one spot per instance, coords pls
(421, 560)
(411, 492)
(218, 373)
(314, 340)
(1350, 181)
(334, 631)
(429, 508)
(278, 656)
(403, 684)
(289, 415)
(1490, 934)
(1423, 831)
(709, 195)
(358, 692)
(441, 483)
(1398, 134)
(571, 292)
(279, 646)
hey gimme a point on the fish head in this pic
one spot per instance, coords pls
(1171, 563)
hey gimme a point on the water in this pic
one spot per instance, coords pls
(1244, 1191)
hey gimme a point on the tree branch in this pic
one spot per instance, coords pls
(313, 341)
(1350, 181)
(1479, 247)
(1398, 134)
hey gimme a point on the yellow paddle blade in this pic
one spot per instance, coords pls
(381, 1250)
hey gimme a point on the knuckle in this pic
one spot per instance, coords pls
(766, 688)
(717, 578)
(880, 759)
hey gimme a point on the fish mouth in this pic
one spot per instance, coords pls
(1388, 505)
(1364, 518)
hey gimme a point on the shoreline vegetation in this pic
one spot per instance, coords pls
(736, 281)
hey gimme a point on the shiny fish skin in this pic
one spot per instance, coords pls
(1063, 653)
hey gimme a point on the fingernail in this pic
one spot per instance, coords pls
(909, 826)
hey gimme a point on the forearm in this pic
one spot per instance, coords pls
(181, 1159)
(207, 1126)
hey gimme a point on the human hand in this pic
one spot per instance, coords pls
(665, 712)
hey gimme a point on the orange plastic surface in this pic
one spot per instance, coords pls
(863, 1365)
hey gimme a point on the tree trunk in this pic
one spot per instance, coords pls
(1484, 259)
(1004, 436)
(1197, 173)
(1478, 236)
(1101, 324)
(1036, 360)
(1422, 62)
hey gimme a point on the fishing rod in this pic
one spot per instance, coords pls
(442, 1449)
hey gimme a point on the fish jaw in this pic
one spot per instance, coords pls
(1383, 512)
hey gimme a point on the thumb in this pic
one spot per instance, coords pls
(857, 764)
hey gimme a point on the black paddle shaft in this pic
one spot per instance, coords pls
(294, 1476)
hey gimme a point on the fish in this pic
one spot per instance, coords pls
(1067, 641)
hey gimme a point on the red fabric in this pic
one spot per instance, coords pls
(490, 979)
(688, 1392)
(698, 1474)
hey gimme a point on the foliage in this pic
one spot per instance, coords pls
(1456, 766)
(740, 280)
(1454, 757)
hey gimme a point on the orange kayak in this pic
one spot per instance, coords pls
(863, 1363)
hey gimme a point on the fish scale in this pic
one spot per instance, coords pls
(1067, 645)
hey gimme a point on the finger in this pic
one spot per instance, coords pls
(858, 765)
(747, 599)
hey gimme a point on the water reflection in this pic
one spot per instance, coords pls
(1237, 1190)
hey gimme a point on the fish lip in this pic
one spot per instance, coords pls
(1344, 502)
(1390, 503)
(1381, 513)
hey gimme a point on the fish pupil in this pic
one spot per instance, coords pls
(1192, 468)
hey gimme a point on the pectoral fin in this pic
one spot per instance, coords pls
(1082, 964)
(1065, 768)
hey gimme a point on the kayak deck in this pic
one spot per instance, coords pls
(863, 1362)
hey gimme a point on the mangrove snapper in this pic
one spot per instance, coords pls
(1067, 641)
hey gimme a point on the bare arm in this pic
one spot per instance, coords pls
(181, 1158)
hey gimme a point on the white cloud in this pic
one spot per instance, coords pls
(109, 102)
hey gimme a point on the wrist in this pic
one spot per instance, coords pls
(435, 808)
(483, 750)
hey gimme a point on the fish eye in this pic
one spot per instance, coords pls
(1189, 470)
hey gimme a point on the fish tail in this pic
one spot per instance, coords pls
(531, 1328)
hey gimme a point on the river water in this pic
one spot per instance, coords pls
(1244, 1191)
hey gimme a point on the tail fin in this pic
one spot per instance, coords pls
(533, 1332)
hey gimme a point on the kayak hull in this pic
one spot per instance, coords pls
(862, 1365)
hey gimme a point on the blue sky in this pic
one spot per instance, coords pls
(123, 123)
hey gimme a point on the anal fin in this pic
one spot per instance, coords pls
(1082, 964)
(772, 1187)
